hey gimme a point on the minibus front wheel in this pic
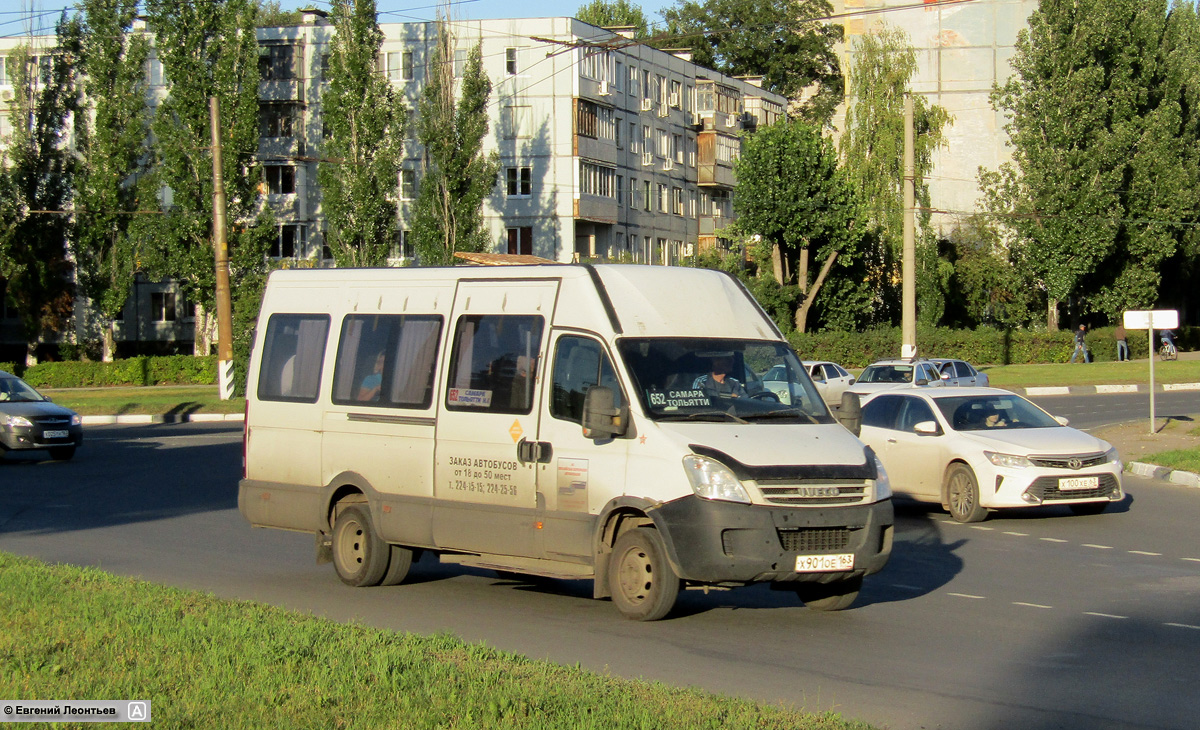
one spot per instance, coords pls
(359, 555)
(643, 585)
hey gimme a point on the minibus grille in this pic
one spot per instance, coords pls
(814, 493)
(814, 539)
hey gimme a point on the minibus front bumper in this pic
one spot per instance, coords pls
(726, 543)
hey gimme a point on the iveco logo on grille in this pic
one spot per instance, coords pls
(818, 492)
(1075, 463)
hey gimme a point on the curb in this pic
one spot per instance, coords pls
(1093, 389)
(169, 418)
(1162, 473)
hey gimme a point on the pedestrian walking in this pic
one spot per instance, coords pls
(1081, 345)
(1122, 345)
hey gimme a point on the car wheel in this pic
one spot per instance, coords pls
(400, 560)
(62, 453)
(962, 494)
(834, 596)
(643, 585)
(359, 556)
(1088, 508)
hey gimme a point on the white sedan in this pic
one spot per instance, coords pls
(830, 378)
(979, 449)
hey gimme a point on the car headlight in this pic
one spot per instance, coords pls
(76, 419)
(1009, 460)
(17, 421)
(883, 485)
(713, 480)
(1112, 455)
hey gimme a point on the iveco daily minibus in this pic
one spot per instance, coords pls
(645, 427)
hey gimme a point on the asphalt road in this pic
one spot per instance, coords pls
(1037, 619)
(1092, 411)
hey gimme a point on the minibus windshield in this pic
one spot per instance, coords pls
(721, 380)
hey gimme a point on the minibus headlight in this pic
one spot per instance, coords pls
(883, 485)
(713, 480)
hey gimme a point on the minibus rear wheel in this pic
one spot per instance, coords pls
(359, 556)
(643, 585)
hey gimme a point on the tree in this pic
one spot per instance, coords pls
(363, 120)
(615, 13)
(112, 143)
(1103, 186)
(35, 187)
(207, 49)
(792, 194)
(776, 39)
(872, 148)
(456, 175)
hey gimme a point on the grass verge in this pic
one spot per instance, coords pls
(160, 400)
(1180, 459)
(79, 633)
(1096, 373)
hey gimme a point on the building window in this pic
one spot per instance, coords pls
(634, 87)
(662, 198)
(520, 240)
(587, 121)
(677, 200)
(408, 184)
(324, 65)
(277, 120)
(596, 179)
(290, 242)
(460, 62)
(390, 65)
(519, 181)
(647, 195)
(281, 179)
(633, 145)
(162, 306)
(632, 192)
(275, 63)
(664, 142)
(406, 65)
(620, 196)
(4, 71)
(154, 71)
(402, 245)
(676, 95)
(677, 147)
(510, 61)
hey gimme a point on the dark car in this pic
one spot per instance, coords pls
(28, 420)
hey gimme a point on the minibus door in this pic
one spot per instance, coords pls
(485, 474)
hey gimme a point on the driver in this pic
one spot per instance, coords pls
(718, 382)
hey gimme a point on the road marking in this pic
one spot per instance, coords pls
(1191, 560)
(1051, 539)
(981, 527)
(964, 595)
(1098, 547)
(905, 587)
(1018, 534)
(1183, 626)
(1030, 605)
(1103, 615)
(1143, 552)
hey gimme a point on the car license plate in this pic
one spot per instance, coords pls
(1069, 483)
(824, 563)
(55, 434)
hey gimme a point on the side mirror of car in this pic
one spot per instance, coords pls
(850, 413)
(920, 381)
(1062, 420)
(926, 428)
(602, 417)
(851, 380)
(945, 376)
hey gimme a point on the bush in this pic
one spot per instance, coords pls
(169, 370)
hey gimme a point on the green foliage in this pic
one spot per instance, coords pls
(1102, 190)
(775, 39)
(457, 176)
(112, 145)
(207, 49)
(793, 195)
(363, 118)
(614, 13)
(169, 370)
(272, 15)
(36, 177)
(872, 149)
(989, 284)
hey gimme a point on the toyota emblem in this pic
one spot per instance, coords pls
(1075, 463)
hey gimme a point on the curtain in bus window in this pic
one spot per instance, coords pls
(412, 376)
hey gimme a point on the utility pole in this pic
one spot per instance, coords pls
(908, 269)
(221, 246)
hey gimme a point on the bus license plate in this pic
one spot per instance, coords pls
(1066, 484)
(824, 563)
(55, 434)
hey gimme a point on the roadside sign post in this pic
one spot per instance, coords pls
(1149, 320)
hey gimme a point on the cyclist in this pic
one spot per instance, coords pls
(1168, 342)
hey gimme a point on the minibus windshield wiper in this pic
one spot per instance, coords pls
(785, 413)
(703, 416)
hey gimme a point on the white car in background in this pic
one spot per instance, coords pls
(894, 374)
(830, 378)
(978, 449)
(959, 373)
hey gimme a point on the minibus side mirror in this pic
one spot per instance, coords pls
(602, 417)
(850, 413)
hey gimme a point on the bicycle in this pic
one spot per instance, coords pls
(1167, 351)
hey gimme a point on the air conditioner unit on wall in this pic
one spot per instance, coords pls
(647, 158)
(675, 98)
(730, 121)
(668, 164)
(647, 104)
(604, 91)
(6, 95)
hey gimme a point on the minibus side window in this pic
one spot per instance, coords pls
(494, 363)
(293, 353)
(386, 360)
(579, 364)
